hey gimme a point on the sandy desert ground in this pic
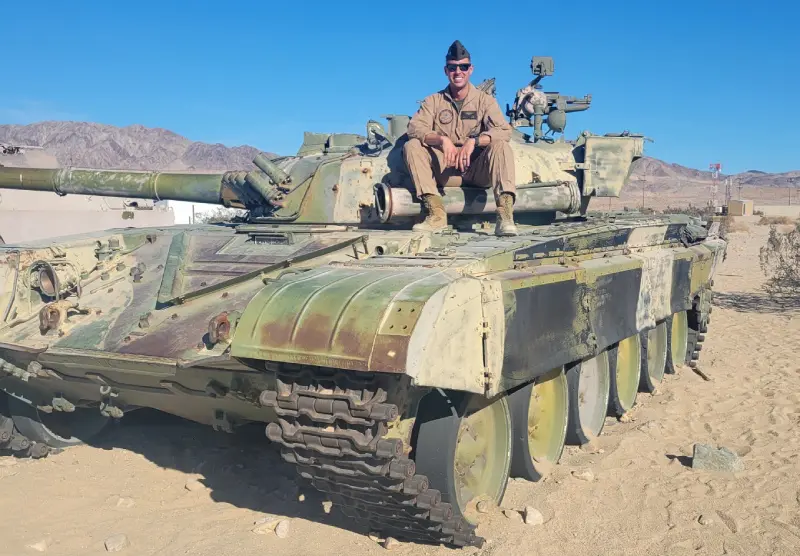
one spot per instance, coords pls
(644, 498)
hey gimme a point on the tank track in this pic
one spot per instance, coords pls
(698, 319)
(333, 427)
(13, 441)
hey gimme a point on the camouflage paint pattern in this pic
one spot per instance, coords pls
(320, 310)
(326, 298)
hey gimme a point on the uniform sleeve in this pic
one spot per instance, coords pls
(421, 123)
(494, 123)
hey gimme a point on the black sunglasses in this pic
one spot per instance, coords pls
(462, 67)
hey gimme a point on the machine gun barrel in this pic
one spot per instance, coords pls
(158, 186)
(577, 106)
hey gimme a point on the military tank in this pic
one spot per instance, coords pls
(407, 375)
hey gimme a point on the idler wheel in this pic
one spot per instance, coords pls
(654, 357)
(57, 429)
(539, 415)
(463, 446)
(626, 361)
(589, 390)
(678, 341)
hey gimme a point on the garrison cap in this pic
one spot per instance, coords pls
(457, 51)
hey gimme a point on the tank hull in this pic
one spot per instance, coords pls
(299, 327)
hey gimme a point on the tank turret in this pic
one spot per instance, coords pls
(350, 179)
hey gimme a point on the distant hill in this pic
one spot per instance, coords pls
(133, 147)
(661, 173)
(138, 147)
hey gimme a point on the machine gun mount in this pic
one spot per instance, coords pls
(531, 104)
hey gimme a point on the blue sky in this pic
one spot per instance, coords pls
(707, 80)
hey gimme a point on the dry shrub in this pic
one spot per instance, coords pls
(691, 210)
(736, 225)
(774, 220)
(780, 261)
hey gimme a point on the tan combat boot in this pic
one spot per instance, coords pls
(505, 216)
(436, 220)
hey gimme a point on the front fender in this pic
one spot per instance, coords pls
(426, 323)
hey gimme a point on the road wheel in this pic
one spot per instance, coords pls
(57, 429)
(589, 389)
(463, 446)
(625, 360)
(654, 357)
(539, 415)
(678, 338)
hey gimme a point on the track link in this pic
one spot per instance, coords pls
(13, 441)
(333, 427)
(698, 319)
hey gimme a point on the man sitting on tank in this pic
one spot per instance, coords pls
(459, 135)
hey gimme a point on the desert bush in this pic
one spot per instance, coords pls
(734, 225)
(691, 210)
(774, 220)
(780, 261)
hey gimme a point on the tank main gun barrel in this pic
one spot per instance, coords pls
(158, 186)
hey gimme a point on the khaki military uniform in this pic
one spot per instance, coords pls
(491, 166)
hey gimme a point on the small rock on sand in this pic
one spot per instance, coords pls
(713, 459)
(40, 546)
(193, 485)
(116, 543)
(585, 475)
(272, 524)
(282, 529)
(532, 516)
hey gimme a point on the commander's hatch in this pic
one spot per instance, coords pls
(204, 261)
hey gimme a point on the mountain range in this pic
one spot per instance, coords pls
(134, 147)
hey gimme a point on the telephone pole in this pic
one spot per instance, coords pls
(643, 182)
(715, 168)
(728, 190)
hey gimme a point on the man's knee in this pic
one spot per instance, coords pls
(500, 150)
(501, 166)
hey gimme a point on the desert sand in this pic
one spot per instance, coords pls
(176, 488)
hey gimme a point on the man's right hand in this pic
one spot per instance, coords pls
(450, 152)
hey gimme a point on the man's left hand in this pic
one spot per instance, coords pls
(465, 154)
